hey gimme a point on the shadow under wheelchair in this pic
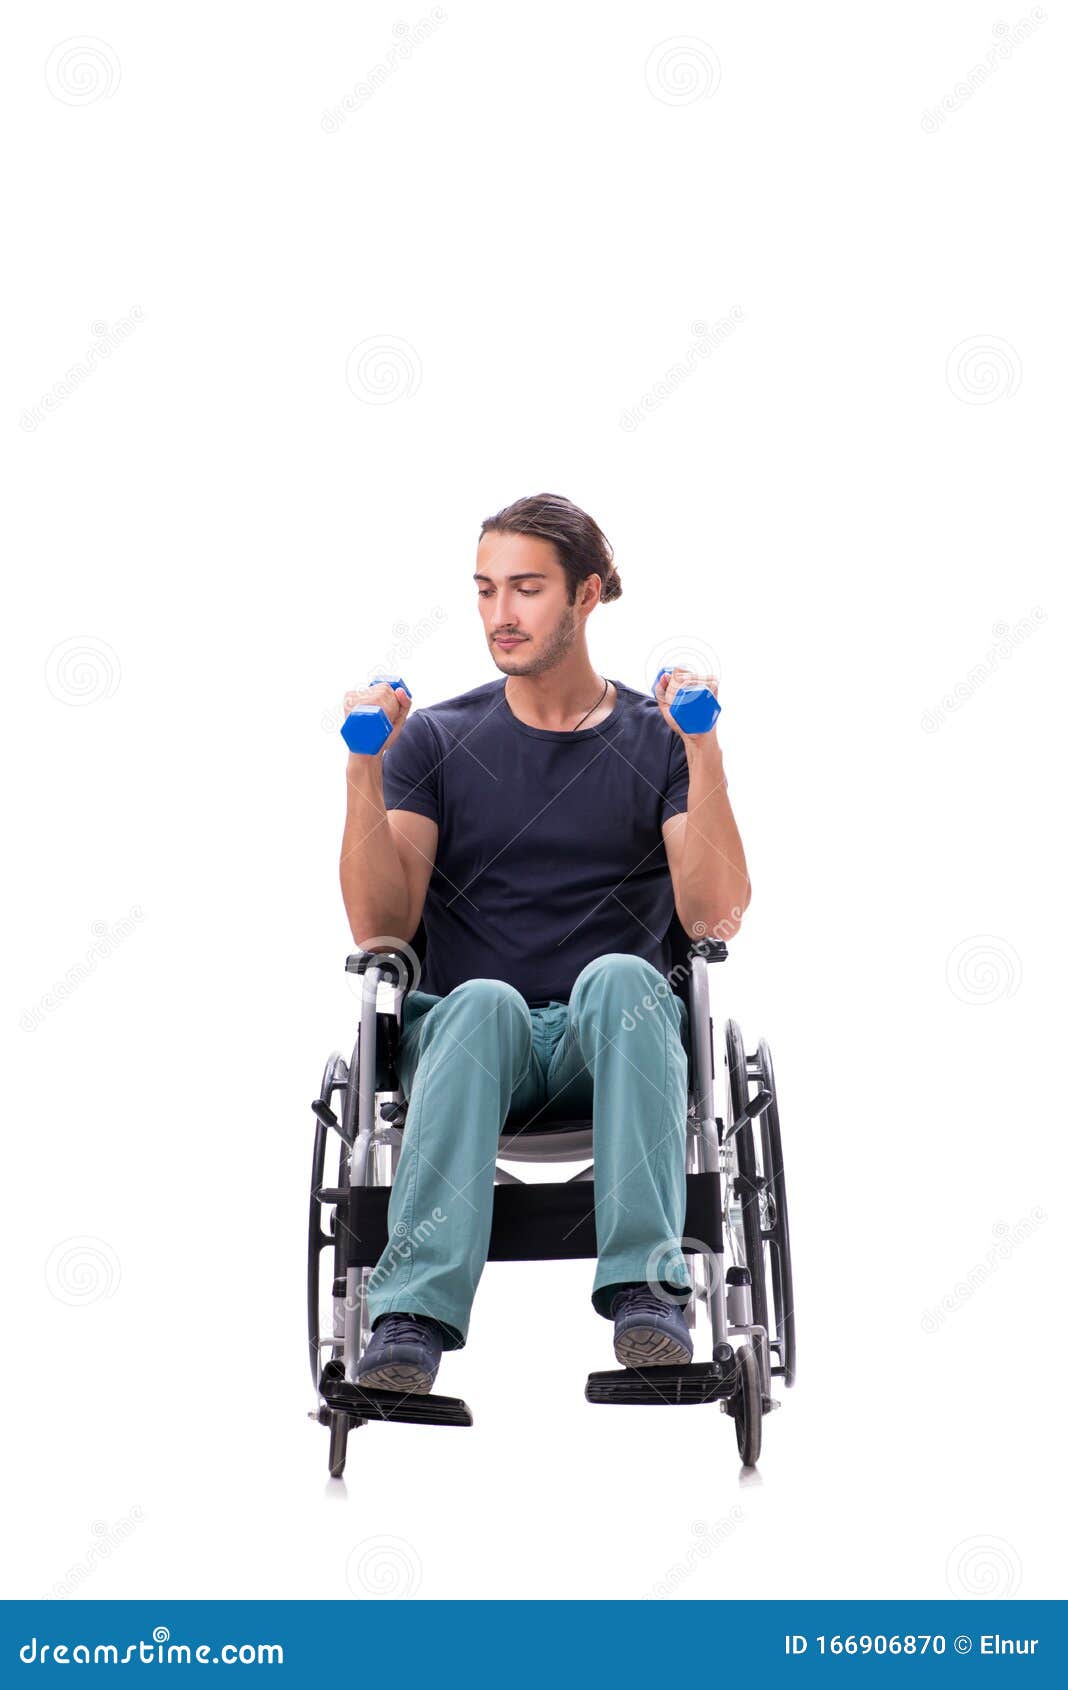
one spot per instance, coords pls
(735, 1206)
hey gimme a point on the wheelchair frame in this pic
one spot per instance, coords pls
(735, 1195)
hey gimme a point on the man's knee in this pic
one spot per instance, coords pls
(621, 970)
(629, 987)
(491, 1009)
(487, 1019)
(487, 995)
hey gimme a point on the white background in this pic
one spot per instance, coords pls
(239, 512)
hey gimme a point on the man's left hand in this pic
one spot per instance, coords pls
(666, 688)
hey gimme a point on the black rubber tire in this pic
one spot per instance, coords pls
(747, 1167)
(318, 1240)
(339, 1437)
(782, 1276)
(314, 1230)
(749, 1407)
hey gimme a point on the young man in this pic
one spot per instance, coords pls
(544, 827)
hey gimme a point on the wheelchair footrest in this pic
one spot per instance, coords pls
(420, 1407)
(704, 1381)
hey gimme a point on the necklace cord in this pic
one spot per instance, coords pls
(591, 709)
(581, 719)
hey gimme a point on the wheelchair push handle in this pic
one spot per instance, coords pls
(366, 729)
(695, 709)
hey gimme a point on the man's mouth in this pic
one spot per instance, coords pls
(511, 639)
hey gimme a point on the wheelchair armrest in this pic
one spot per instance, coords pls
(713, 950)
(392, 964)
(396, 968)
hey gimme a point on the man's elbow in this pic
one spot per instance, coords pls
(728, 925)
(724, 924)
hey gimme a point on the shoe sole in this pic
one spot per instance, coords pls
(398, 1376)
(647, 1346)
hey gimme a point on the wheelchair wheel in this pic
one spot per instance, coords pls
(782, 1278)
(747, 1406)
(318, 1240)
(748, 1175)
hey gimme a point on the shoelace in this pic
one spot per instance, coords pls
(645, 1299)
(400, 1328)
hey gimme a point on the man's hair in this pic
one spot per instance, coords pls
(580, 546)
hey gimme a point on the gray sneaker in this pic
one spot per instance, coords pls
(403, 1355)
(651, 1329)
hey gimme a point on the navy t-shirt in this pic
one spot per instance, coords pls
(549, 845)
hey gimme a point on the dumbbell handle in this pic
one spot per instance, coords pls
(366, 729)
(695, 709)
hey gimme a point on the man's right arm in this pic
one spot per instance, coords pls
(373, 882)
(387, 856)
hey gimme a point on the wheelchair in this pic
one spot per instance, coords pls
(736, 1231)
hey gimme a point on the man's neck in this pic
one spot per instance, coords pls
(560, 703)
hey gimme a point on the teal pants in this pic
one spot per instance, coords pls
(614, 1052)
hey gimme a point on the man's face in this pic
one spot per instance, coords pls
(533, 607)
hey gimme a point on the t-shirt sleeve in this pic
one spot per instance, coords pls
(676, 798)
(410, 770)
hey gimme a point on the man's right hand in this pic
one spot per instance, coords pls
(395, 702)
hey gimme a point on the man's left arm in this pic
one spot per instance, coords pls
(703, 845)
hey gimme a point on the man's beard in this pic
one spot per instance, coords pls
(561, 640)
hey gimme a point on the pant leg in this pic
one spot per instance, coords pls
(626, 1029)
(460, 1061)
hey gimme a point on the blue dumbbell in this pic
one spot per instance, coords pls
(694, 708)
(367, 728)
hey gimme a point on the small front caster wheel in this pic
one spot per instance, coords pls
(747, 1406)
(339, 1437)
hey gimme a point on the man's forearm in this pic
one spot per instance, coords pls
(372, 877)
(713, 882)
